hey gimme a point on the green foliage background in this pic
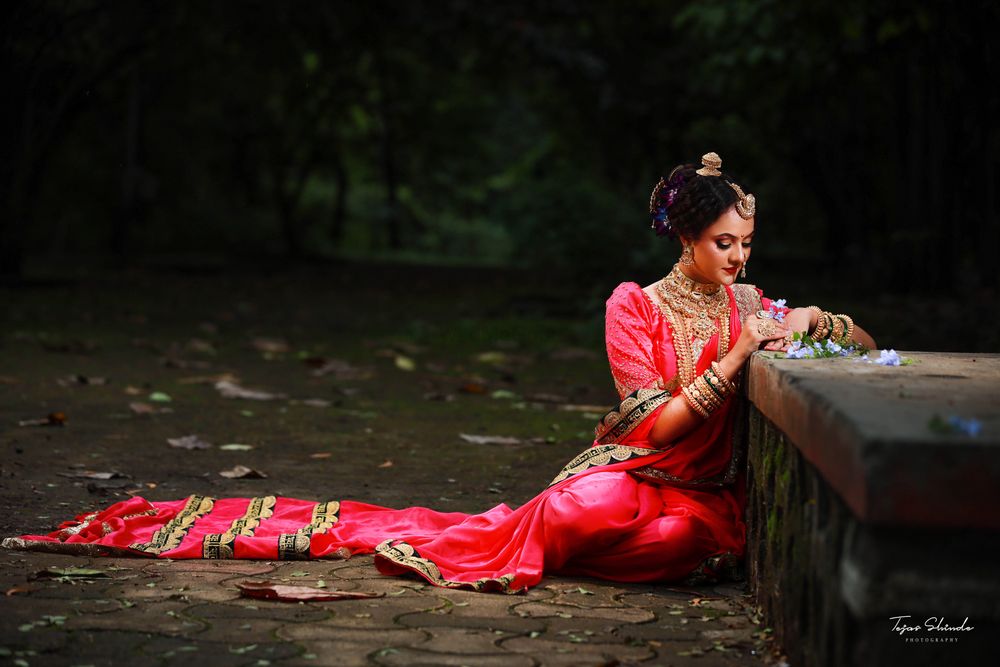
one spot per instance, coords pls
(511, 134)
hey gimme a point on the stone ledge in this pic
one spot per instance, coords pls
(865, 429)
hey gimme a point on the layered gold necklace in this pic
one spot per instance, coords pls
(697, 311)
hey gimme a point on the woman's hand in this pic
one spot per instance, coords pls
(797, 319)
(758, 330)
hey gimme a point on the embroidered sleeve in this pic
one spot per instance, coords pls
(748, 300)
(628, 335)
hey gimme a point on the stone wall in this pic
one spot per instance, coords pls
(832, 552)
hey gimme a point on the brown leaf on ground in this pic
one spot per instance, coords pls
(313, 402)
(147, 409)
(91, 474)
(270, 345)
(242, 472)
(269, 591)
(321, 455)
(53, 419)
(133, 390)
(232, 390)
(65, 573)
(340, 369)
(74, 380)
(490, 439)
(208, 379)
(386, 464)
(189, 442)
(18, 590)
(472, 388)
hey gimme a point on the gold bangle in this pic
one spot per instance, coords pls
(820, 334)
(695, 405)
(848, 325)
(838, 328)
(727, 383)
(709, 397)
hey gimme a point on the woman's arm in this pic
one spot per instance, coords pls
(806, 320)
(678, 417)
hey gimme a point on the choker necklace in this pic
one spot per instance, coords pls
(703, 302)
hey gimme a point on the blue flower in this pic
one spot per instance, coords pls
(970, 427)
(888, 358)
(773, 311)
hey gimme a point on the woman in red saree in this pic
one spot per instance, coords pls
(659, 496)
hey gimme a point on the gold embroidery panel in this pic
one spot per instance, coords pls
(293, 546)
(172, 533)
(623, 418)
(405, 555)
(220, 545)
(601, 455)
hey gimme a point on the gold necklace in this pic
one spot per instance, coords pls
(681, 298)
(705, 303)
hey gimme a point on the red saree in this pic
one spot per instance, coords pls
(621, 510)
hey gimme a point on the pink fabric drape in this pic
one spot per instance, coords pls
(628, 513)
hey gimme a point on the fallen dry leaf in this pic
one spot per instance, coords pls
(73, 380)
(472, 388)
(53, 419)
(232, 390)
(339, 368)
(70, 573)
(267, 590)
(133, 391)
(147, 409)
(321, 455)
(386, 464)
(242, 472)
(235, 447)
(490, 439)
(189, 442)
(208, 379)
(91, 474)
(315, 402)
(18, 590)
(270, 345)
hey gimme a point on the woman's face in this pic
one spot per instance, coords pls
(721, 250)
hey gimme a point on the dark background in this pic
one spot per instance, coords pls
(520, 139)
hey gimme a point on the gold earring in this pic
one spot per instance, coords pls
(687, 256)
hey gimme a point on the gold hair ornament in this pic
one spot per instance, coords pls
(711, 164)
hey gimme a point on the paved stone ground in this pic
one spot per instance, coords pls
(386, 432)
(184, 612)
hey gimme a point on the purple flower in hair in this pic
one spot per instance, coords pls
(663, 198)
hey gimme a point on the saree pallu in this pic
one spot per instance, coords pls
(621, 510)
